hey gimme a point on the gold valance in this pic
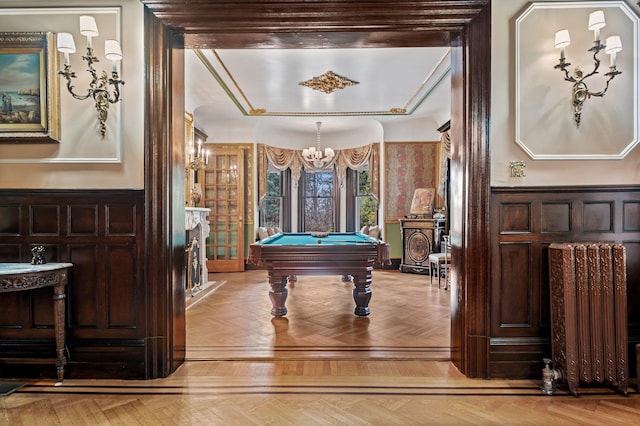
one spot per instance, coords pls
(282, 159)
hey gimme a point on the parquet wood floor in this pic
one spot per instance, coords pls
(319, 366)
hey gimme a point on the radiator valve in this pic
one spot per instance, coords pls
(549, 377)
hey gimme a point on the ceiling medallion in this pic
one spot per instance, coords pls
(328, 82)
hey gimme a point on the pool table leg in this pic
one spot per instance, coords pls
(278, 294)
(362, 293)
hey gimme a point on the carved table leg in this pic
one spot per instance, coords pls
(278, 294)
(59, 297)
(362, 293)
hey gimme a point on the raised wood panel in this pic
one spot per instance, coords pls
(12, 307)
(83, 297)
(555, 217)
(514, 287)
(559, 214)
(83, 220)
(121, 286)
(121, 220)
(10, 252)
(100, 232)
(633, 289)
(598, 216)
(631, 216)
(45, 220)
(515, 217)
(42, 310)
(10, 223)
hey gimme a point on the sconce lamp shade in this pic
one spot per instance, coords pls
(596, 20)
(65, 43)
(88, 26)
(562, 39)
(422, 202)
(614, 44)
(112, 50)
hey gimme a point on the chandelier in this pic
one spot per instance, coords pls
(580, 92)
(315, 155)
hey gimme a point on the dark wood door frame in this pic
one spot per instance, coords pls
(465, 25)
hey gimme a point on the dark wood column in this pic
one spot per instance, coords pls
(470, 195)
(164, 199)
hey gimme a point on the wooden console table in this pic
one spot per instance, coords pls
(24, 276)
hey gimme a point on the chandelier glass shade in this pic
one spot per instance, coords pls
(315, 155)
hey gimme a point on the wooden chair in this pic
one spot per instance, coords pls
(439, 263)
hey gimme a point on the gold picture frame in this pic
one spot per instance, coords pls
(29, 95)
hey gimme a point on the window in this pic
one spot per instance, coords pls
(361, 205)
(366, 206)
(318, 201)
(274, 211)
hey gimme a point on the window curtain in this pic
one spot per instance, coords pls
(282, 159)
(445, 152)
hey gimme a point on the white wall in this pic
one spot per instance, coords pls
(502, 128)
(83, 159)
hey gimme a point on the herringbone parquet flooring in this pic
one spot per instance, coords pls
(319, 366)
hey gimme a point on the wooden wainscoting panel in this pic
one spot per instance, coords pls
(631, 216)
(83, 297)
(101, 233)
(122, 291)
(514, 291)
(121, 220)
(83, 220)
(598, 216)
(515, 217)
(13, 309)
(520, 313)
(44, 220)
(10, 223)
(10, 252)
(555, 217)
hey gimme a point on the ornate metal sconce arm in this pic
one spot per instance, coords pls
(580, 91)
(98, 88)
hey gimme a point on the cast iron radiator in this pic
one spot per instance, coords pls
(588, 286)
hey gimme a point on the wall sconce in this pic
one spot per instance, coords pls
(98, 89)
(198, 157)
(197, 160)
(580, 91)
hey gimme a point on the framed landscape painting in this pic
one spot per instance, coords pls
(29, 102)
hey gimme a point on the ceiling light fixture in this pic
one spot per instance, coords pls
(315, 155)
(580, 91)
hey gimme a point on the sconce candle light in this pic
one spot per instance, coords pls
(580, 91)
(98, 87)
(198, 157)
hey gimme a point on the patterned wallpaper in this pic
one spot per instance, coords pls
(408, 165)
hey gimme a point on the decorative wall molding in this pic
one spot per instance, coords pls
(544, 122)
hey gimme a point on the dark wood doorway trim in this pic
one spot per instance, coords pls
(462, 24)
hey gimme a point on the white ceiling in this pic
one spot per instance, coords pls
(224, 86)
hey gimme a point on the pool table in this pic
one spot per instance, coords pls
(350, 254)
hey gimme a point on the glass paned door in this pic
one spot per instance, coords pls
(224, 195)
